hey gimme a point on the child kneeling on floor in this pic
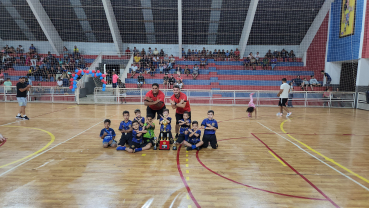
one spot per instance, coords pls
(107, 134)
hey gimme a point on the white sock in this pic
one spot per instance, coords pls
(19, 114)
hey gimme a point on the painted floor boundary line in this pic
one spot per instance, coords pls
(15, 167)
(348, 177)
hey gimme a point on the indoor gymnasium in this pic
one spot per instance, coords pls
(173, 103)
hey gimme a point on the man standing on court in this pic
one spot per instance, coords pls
(283, 98)
(154, 100)
(22, 89)
(181, 104)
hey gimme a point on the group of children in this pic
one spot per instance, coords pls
(139, 135)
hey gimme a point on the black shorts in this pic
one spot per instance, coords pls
(165, 135)
(148, 140)
(152, 112)
(125, 139)
(134, 145)
(282, 101)
(210, 138)
(114, 85)
(180, 117)
(181, 138)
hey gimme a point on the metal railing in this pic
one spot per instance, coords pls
(230, 97)
(361, 101)
(41, 94)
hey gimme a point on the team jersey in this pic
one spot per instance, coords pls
(184, 127)
(181, 97)
(110, 132)
(212, 122)
(150, 132)
(169, 127)
(142, 119)
(159, 96)
(125, 125)
(135, 138)
(195, 139)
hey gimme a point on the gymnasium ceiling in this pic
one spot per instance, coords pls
(155, 21)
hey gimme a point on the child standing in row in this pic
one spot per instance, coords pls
(107, 134)
(184, 125)
(125, 128)
(168, 129)
(150, 127)
(139, 118)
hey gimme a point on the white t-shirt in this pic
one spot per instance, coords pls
(59, 83)
(286, 88)
(134, 68)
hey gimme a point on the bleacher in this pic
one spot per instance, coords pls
(230, 75)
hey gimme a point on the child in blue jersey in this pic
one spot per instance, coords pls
(184, 126)
(137, 143)
(139, 118)
(210, 125)
(107, 134)
(194, 141)
(125, 127)
(168, 128)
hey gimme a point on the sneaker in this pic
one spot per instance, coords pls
(188, 148)
(25, 118)
(279, 114)
(288, 114)
(20, 117)
(252, 94)
(249, 115)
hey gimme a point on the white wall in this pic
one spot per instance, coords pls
(334, 70)
(109, 48)
(362, 78)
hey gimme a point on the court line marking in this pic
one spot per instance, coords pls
(317, 158)
(11, 169)
(184, 180)
(302, 176)
(277, 158)
(38, 151)
(252, 187)
(320, 154)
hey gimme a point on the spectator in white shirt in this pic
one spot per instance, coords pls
(314, 82)
(257, 58)
(305, 83)
(134, 69)
(59, 82)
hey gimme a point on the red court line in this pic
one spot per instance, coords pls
(3, 143)
(184, 180)
(259, 189)
(307, 180)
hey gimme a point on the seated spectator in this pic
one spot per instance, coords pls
(186, 70)
(268, 54)
(231, 54)
(32, 49)
(215, 54)
(284, 54)
(22, 60)
(203, 62)
(172, 80)
(133, 69)
(137, 58)
(246, 62)
(65, 77)
(237, 54)
(156, 52)
(305, 84)
(183, 54)
(59, 83)
(20, 49)
(252, 60)
(149, 52)
(257, 57)
(227, 55)
(165, 68)
(222, 55)
(178, 70)
(65, 53)
(208, 54)
(143, 52)
(292, 56)
(297, 82)
(219, 58)
(161, 53)
(75, 50)
(166, 58)
(189, 55)
(328, 79)
(155, 60)
(203, 52)
(195, 72)
(166, 80)
(273, 62)
(11, 50)
(314, 82)
(34, 59)
(275, 53)
(179, 82)
(172, 61)
(127, 52)
(196, 55)
(59, 73)
(152, 70)
(30, 71)
(51, 73)
(135, 51)
(140, 80)
(161, 67)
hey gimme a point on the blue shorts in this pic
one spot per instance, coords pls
(106, 141)
(114, 85)
(22, 101)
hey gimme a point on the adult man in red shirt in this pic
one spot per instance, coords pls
(181, 104)
(128, 51)
(154, 100)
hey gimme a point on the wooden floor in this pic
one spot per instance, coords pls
(56, 160)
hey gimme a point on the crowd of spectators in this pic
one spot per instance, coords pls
(312, 82)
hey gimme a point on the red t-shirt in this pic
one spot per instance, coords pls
(182, 96)
(237, 53)
(128, 51)
(160, 96)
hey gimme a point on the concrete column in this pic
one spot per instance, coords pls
(114, 29)
(180, 28)
(247, 26)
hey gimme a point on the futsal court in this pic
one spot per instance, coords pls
(317, 158)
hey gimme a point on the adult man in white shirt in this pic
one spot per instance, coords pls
(133, 68)
(283, 98)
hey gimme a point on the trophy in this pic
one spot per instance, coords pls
(155, 143)
(164, 141)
